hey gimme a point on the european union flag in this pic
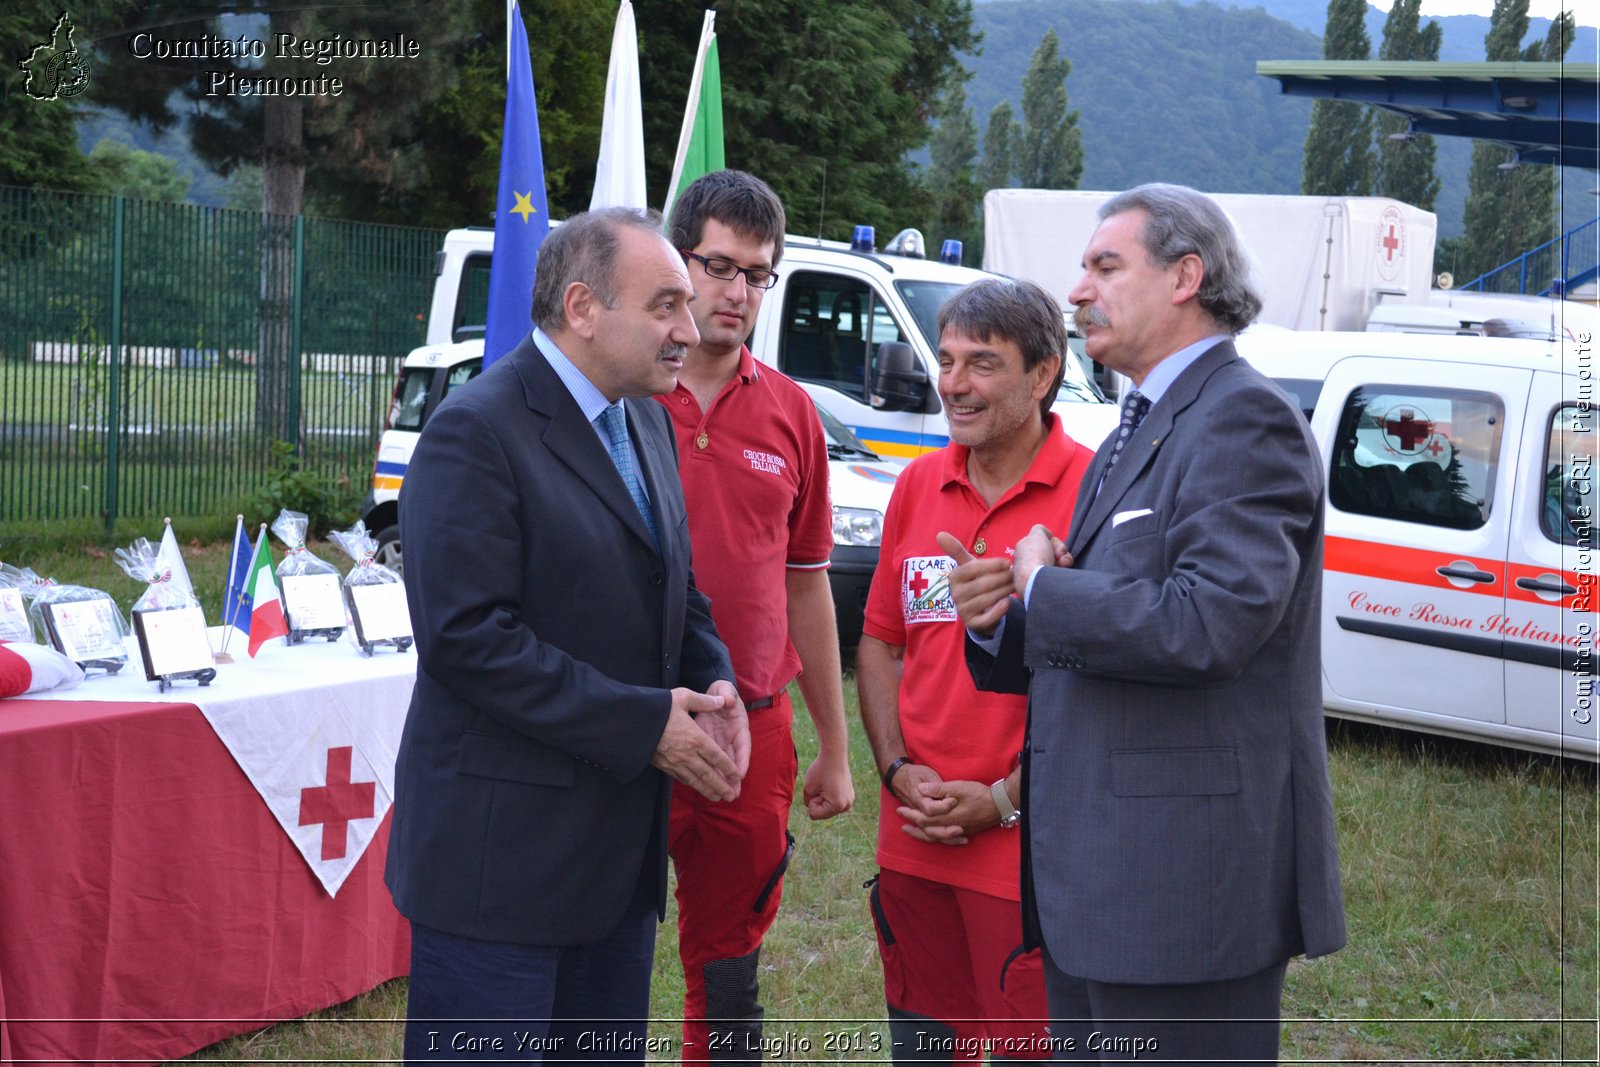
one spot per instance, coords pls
(520, 218)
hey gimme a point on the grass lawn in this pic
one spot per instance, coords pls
(1469, 876)
(1469, 884)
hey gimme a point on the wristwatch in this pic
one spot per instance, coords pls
(1010, 814)
(890, 771)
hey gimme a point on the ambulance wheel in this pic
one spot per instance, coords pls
(389, 548)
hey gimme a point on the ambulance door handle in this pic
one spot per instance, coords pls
(1465, 572)
(1546, 584)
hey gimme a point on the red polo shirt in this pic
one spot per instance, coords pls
(755, 476)
(964, 734)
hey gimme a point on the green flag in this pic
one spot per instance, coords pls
(700, 143)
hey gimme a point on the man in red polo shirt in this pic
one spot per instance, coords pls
(949, 918)
(754, 466)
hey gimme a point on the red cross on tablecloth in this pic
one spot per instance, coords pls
(918, 585)
(1390, 242)
(334, 805)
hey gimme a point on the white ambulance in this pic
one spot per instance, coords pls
(859, 481)
(853, 325)
(1460, 553)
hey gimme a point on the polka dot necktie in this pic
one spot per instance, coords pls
(1134, 409)
(616, 427)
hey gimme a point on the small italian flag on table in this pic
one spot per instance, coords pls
(260, 617)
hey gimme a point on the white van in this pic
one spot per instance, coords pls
(859, 481)
(1460, 554)
(855, 327)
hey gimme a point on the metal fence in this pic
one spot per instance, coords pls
(152, 353)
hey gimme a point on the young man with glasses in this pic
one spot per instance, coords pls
(755, 476)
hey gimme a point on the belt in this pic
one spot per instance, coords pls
(757, 705)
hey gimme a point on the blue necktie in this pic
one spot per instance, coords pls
(616, 427)
(1134, 409)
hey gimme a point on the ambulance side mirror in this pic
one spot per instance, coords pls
(900, 382)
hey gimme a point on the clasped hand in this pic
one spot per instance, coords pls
(942, 812)
(982, 588)
(706, 744)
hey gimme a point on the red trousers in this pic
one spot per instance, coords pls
(948, 957)
(730, 859)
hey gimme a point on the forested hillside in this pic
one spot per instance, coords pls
(1167, 89)
(1166, 92)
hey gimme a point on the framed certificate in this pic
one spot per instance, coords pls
(380, 614)
(312, 602)
(86, 632)
(173, 642)
(14, 625)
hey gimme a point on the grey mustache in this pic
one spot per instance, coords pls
(1088, 315)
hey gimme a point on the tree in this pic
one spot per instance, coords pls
(1000, 147)
(1051, 148)
(38, 138)
(1511, 208)
(439, 164)
(140, 175)
(821, 98)
(1406, 161)
(1338, 152)
(953, 159)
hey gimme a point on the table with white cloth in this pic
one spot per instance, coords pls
(180, 866)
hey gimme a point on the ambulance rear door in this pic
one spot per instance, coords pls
(1549, 625)
(1420, 499)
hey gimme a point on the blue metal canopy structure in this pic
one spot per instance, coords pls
(1543, 112)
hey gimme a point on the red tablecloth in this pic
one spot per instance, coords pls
(149, 903)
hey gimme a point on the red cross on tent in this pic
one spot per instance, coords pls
(1390, 242)
(334, 805)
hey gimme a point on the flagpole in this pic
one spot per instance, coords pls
(691, 109)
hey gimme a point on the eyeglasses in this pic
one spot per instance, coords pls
(724, 270)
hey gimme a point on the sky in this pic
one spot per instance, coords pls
(1587, 11)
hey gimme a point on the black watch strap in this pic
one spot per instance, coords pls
(890, 771)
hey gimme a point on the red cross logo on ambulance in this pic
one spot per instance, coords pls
(1391, 251)
(1406, 431)
(1402, 435)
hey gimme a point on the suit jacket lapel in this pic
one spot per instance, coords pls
(1141, 449)
(571, 438)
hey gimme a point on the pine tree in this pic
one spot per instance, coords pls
(1000, 137)
(1051, 149)
(1511, 209)
(1406, 162)
(1338, 153)
(953, 156)
(822, 99)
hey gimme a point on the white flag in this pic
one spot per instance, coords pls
(619, 177)
(171, 560)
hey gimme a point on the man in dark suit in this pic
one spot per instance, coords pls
(1179, 840)
(565, 661)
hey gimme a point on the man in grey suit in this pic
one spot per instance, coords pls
(1179, 842)
(567, 666)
